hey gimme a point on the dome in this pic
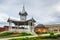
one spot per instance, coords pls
(40, 25)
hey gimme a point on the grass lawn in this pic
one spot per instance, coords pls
(11, 34)
(35, 38)
(51, 37)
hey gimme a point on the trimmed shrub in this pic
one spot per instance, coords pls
(41, 33)
(51, 34)
(25, 34)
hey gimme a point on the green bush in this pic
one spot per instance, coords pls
(51, 34)
(25, 34)
(58, 35)
(41, 33)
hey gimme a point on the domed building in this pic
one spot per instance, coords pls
(41, 28)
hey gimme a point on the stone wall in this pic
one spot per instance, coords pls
(5, 28)
(53, 28)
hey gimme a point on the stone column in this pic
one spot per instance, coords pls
(15, 28)
(31, 27)
(58, 29)
(29, 23)
(10, 27)
(18, 27)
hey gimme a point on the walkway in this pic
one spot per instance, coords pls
(17, 37)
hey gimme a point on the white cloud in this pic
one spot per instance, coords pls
(56, 7)
(3, 17)
(42, 10)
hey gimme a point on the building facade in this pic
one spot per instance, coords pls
(55, 28)
(41, 28)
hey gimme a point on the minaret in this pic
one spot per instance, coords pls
(23, 14)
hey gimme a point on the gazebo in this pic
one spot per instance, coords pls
(23, 21)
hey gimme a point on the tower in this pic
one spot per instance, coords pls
(23, 14)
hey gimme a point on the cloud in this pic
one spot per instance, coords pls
(3, 17)
(43, 11)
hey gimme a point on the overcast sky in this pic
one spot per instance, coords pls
(43, 11)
